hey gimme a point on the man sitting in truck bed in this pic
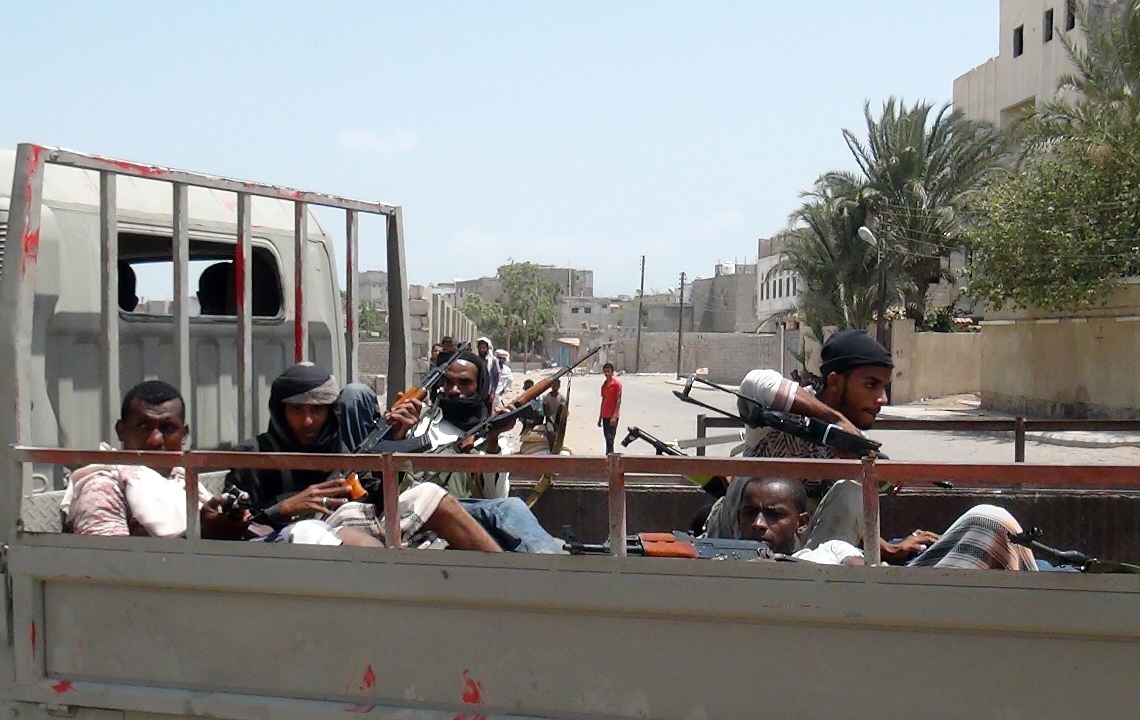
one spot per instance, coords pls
(304, 412)
(462, 403)
(118, 500)
(856, 371)
(774, 511)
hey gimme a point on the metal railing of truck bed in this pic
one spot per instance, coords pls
(18, 285)
(1017, 425)
(614, 467)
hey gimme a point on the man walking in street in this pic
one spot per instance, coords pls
(611, 406)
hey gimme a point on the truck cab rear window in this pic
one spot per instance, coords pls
(146, 278)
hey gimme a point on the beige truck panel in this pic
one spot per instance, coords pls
(562, 637)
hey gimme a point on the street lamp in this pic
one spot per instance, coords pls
(868, 237)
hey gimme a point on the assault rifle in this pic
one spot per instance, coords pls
(505, 419)
(1075, 558)
(682, 545)
(815, 431)
(416, 392)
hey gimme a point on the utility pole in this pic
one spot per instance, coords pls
(680, 323)
(640, 305)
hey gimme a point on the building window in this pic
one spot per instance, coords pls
(780, 288)
(573, 311)
(1047, 29)
(1018, 40)
(795, 286)
(1070, 15)
(588, 310)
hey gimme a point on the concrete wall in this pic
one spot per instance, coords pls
(930, 364)
(1056, 365)
(728, 356)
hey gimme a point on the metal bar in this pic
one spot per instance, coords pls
(616, 505)
(391, 488)
(1019, 439)
(300, 329)
(70, 158)
(180, 240)
(702, 432)
(978, 425)
(109, 306)
(870, 525)
(351, 311)
(999, 475)
(243, 292)
(193, 516)
(400, 349)
(17, 295)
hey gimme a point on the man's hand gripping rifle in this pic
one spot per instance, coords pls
(416, 392)
(506, 419)
(816, 431)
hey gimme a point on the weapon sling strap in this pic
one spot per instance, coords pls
(287, 484)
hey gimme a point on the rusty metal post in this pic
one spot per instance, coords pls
(702, 432)
(1019, 439)
(300, 239)
(351, 311)
(193, 517)
(870, 527)
(17, 296)
(180, 240)
(391, 487)
(617, 505)
(109, 306)
(243, 290)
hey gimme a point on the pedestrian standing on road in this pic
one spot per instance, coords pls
(611, 406)
(506, 375)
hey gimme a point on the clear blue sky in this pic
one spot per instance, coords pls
(587, 133)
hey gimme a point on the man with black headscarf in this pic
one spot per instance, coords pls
(304, 412)
(461, 403)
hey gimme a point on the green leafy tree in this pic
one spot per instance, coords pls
(369, 319)
(529, 302)
(1061, 233)
(489, 317)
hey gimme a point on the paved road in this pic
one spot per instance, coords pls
(648, 402)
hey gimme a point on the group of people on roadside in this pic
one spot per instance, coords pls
(308, 412)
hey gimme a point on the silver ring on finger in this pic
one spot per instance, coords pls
(325, 501)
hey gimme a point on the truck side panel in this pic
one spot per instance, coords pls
(577, 636)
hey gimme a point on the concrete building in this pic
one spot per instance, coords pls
(372, 285)
(775, 293)
(591, 312)
(571, 281)
(1031, 60)
(726, 302)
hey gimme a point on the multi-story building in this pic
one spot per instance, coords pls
(776, 292)
(726, 302)
(372, 286)
(1031, 60)
(588, 312)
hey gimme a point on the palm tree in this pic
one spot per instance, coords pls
(1102, 95)
(917, 171)
(837, 271)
